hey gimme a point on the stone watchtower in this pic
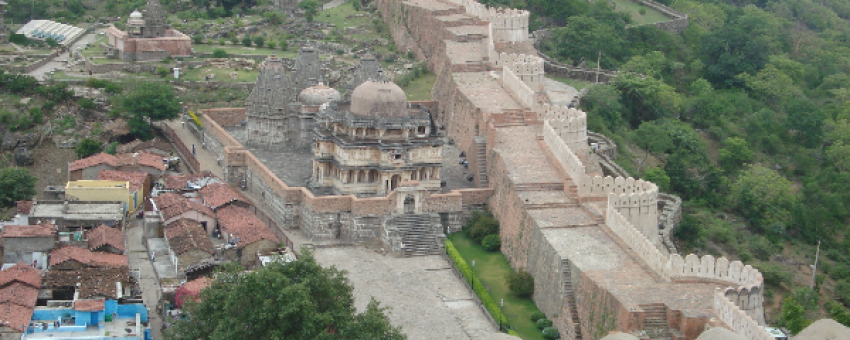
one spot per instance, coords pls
(372, 145)
(264, 107)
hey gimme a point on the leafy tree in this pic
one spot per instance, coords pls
(689, 231)
(234, 40)
(198, 39)
(88, 147)
(296, 300)
(659, 177)
(481, 225)
(311, 9)
(149, 101)
(15, 185)
(491, 242)
(603, 106)
(647, 98)
(735, 152)
(85, 103)
(794, 316)
(764, 197)
(585, 37)
(76, 7)
(111, 148)
(259, 40)
(838, 156)
(246, 41)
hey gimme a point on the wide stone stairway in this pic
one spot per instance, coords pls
(420, 234)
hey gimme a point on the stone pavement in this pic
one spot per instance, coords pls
(332, 4)
(137, 258)
(43, 72)
(205, 157)
(424, 296)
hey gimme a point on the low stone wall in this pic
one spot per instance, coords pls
(226, 116)
(678, 24)
(738, 320)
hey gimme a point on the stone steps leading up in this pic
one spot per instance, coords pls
(655, 322)
(570, 297)
(481, 154)
(421, 234)
(539, 187)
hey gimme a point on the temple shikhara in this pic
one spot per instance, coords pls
(148, 37)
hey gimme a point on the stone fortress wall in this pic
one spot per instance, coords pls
(630, 212)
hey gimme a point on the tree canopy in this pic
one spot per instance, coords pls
(296, 300)
(149, 102)
(15, 185)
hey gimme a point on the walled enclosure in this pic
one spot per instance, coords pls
(591, 242)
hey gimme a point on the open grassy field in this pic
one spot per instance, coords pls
(221, 74)
(491, 268)
(239, 49)
(651, 15)
(575, 83)
(420, 89)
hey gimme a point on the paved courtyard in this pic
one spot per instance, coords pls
(425, 297)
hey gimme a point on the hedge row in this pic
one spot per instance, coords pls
(477, 287)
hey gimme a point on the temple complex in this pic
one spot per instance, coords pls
(148, 37)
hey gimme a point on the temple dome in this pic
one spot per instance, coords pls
(379, 98)
(318, 95)
(136, 15)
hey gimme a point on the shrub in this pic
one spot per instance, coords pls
(271, 45)
(88, 147)
(356, 5)
(219, 53)
(259, 40)
(234, 40)
(520, 283)
(36, 115)
(246, 41)
(491, 242)
(196, 119)
(18, 39)
(111, 148)
(481, 225)
(221, 41)
(537, 316)
(642, 11)
(543, 323)
(410, 54)
(85, 103)
(162, 71)
(198, 39)
(551, 333)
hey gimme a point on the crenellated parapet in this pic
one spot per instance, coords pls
(568, 123)
(528, 68)
(509, 25)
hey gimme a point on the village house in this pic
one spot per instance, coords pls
(19, 287)
(190, 249)
(78, 215)
(173, 207)
(219, 195)
(73, 258)
(245, 232)
(140, 184)
(90, 167)
(28, 244)
(102, 191)
(106, 239)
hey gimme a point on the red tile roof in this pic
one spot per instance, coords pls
(172, 205)
(24, 207)
(243, 224)
(90, 305)
(104, 235)
(21, 273)
(218, 194)
(101, 158)
(186, 235)
(166, 200)
(19, 294)
(136, 178)
(15, 316)
(141, 158)
(41, 230)
(195, 286)
(86, 257)
(90, 282)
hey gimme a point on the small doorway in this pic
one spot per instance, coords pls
(409, 204)
(394, 181)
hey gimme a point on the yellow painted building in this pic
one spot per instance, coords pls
(104, 191)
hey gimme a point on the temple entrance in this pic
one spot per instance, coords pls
(394, 181)
(409, 204)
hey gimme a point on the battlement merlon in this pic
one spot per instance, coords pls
(509, 25)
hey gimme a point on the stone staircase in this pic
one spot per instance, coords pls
(475, 66)
(539, 187)
(570, 297)
(481, 154)
(420, 234)
(512, 117)
(655, 322)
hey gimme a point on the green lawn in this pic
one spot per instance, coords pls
(342, 16)
(239, 49)
(577, 84)
(221, 74)
(491, 268)
(420, 89)
(633, 8)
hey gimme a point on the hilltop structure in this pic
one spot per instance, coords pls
(148, 37)
(591, 241)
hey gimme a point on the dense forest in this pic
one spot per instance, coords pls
(744, 115)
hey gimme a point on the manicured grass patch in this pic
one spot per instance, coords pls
(238, 49)
(633, 8)
(420, 88)
(491, 268)
(221, 74)
(575, 83)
